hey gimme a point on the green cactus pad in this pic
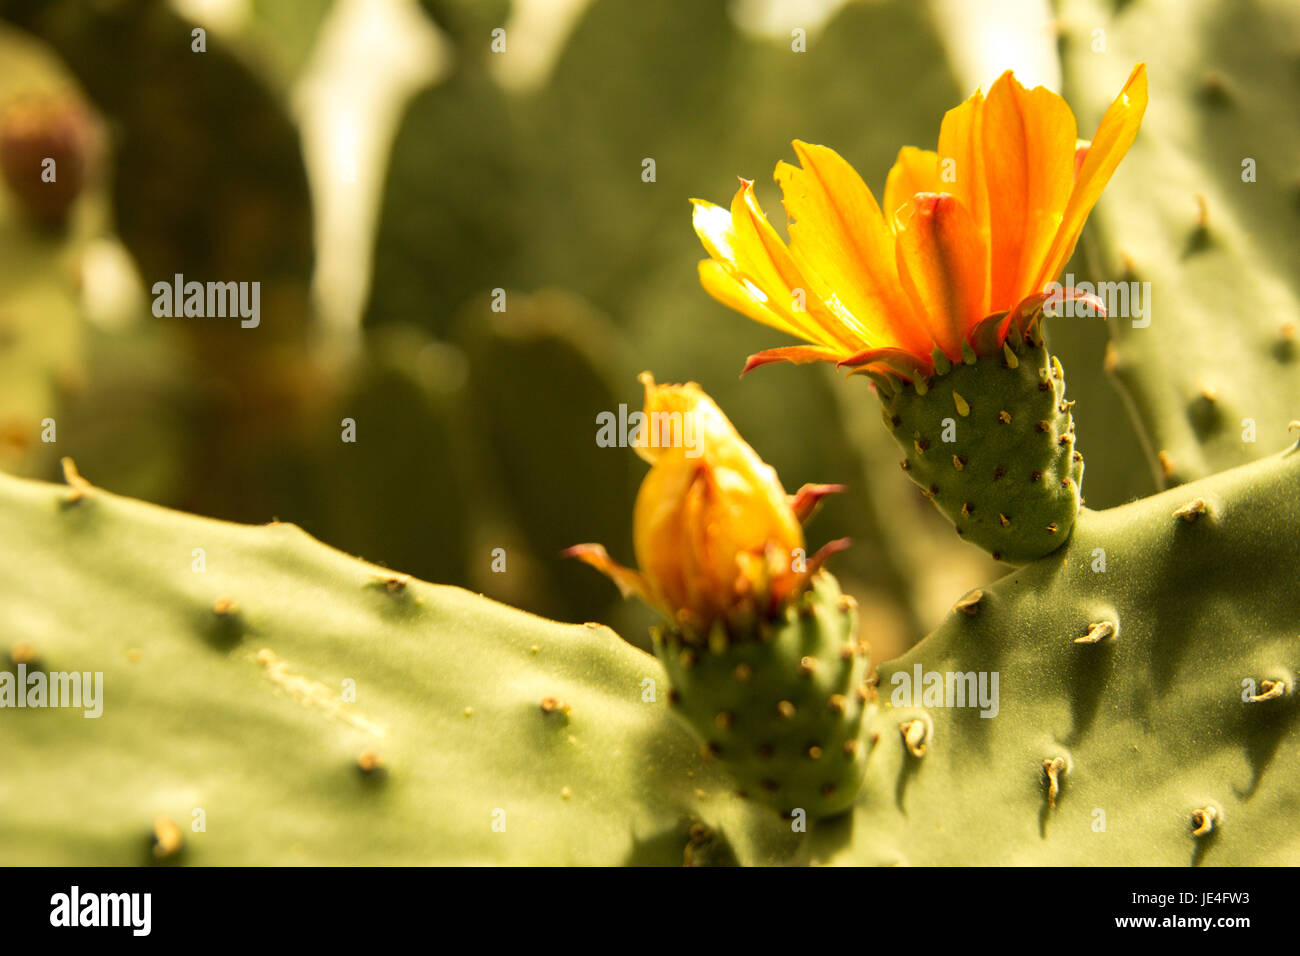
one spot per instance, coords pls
(991, 443)
(477, 734)
(1204, 212)
(1155, 654)
(782, 710)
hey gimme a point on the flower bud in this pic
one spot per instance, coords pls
(716, 536)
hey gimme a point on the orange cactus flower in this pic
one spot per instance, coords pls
(977, 228)
(715, 534)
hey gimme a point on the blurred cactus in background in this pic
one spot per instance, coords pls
(47, 149)
(469, 223)
(486, 189)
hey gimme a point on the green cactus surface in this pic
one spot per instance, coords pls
(1146, 670)
(478, 733)
(1155, 655)
(990, 441)
(1125, 695)
(783, 707)
(1204, 213)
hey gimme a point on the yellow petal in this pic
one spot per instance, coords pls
(1028, 145)
(763, 258)
(754, 287)
(1115, 135)
(915, 171)
(941, 260)
(731, 290)
(755, 274)
(680, 419)
(713, 225)
(837, 232)
(704, 507)
(663, 525)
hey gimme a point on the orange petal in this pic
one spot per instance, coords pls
(987, 335)
(813, 565)
(1115, 135)
(629, 582)
(838, 232)
(804, 501)
(915, 171)
(1028, 138)
(825, 552)
(798, 354)
(961, 159)
(1057, 301)
(900, 362)
(941, 265)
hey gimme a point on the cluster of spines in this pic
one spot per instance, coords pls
(977, 403)
(781, 703)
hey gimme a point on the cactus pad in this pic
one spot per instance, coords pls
(476, 734)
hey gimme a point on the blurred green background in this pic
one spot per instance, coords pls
(381, 170)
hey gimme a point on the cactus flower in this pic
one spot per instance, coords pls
(715, 534)
(975, 229)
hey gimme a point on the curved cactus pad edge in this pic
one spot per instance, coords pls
(1123, 720)
(478, 733)
(1121, 724)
